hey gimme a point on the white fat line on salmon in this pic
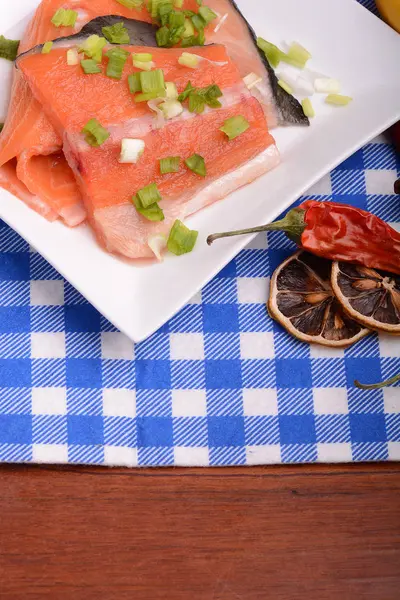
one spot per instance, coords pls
(139, 128)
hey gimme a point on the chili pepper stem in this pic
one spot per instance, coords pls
(377, 386)
(292, 224)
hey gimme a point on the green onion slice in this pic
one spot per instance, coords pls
(149, 195)
(134, 83)
(90, 66)
(285, 86)
(235, 126)
(162, 37)
(152, 213)
(47, 47)
(178, 3)
(176, 19)
(142, 57)
(297, 55)
(64, 17)
(338, 99)
(308, 108)
(164, 10)
(196, 164)
(95, 134)
(272, 52)
(207, 14)
(117, 58)
(93, 47)
(198, 22)
(8, 48)
(181, 239)
(153, 81)
(189, 60)
(186, 92)
(169, 164)
(131, 3)
(149, 96)
(117, 33)
(197, 103)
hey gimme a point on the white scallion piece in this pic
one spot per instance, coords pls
(157, 244)
(327, 85)
(72, 57)
(171, 109)
(131, 150)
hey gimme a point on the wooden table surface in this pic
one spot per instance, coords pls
(323, 532)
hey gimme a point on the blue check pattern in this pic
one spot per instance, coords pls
(220, 384)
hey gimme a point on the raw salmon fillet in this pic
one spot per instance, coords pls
(106, 184)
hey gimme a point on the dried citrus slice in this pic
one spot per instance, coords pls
(371, 297)
(302, 301)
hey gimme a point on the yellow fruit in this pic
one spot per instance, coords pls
(390, 11)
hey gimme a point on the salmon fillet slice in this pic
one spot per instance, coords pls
(106, 184)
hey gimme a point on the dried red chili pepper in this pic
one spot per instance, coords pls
(337, 232)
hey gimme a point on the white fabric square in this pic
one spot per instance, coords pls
(380, 181)
(332, 453)
(257, 345)
(189, 403)
(323, 187)
(325, 352)
(119, 403)
(260, 242)
(391, 398)
(253, 290)
(394, 450)
(263, 455)
(47, 293)
(258, 403)
(48, 345)
(116, 345)
(50, 453)
(49, 401)
(330, 401)
(116, 456)
(389, 346)
(187, 346)
(191, 457)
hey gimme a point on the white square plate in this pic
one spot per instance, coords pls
(347, 42)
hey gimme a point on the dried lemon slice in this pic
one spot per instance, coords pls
(371, 297)
(302, 301)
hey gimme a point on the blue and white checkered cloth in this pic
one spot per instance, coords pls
(220, 384)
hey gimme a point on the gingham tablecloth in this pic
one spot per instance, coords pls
(220, 384)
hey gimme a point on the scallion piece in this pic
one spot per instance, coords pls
(171, 89)
(8, 48)
(131, 3)
(298, 55)
(207, 14)
(196, 164)
(285, 86)
(181, 239)
(90, 66)
(189, 60)
(178, 3)
(95, 134)
(117, 58)
(152, 213)
(171, 109)
(72, 57)
(197, 103)
(134, 83)
(93, 47)
(235, 126)
(64, 17)
(46, 49)
(272, 52)
(131, 150)
(164, 10)
(143, 66)
(149, 96)
(189, 29)
(169, 164)
(162, 37)
(308, 108)
(149, 195)
(142, 57)
(116, 34)
(199, 2)
(186, 92)
(198, 22)
(176, 19)
(153, 82)
(338, 99)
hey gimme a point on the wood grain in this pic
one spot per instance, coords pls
(253, 534)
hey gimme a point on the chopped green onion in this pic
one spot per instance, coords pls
(338, 99)
(157, 243)
(176, 35)
(117, 58)
(298, 55)
(131, 151)
(327, 85)
(197, 103)
(285, 86)
(162, 37)
(142, 57)
(64, 18)
(95, 134)
(189, 60)
(189, 29)
(46, 49)
(178, 3)
(152, 213)
(143, 66)
(149, 195)
(8, 48)
(198, 22)
(308, 108)
(131, 3)
(93, 47)
(157, 6)
(134, 83)
(171, 89)
(90, 66)
(149, 96)
(186, 92)
(272, 52)
(193, 40)
(199, 2)
(72, 57)
(196, 164)
(176, 19)
(153, 82)
(169, 164)
(200, 97)
(235, 126)
(207, 14)
(116, 34)
(171, 109)
(181, 239)
(164, 10)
